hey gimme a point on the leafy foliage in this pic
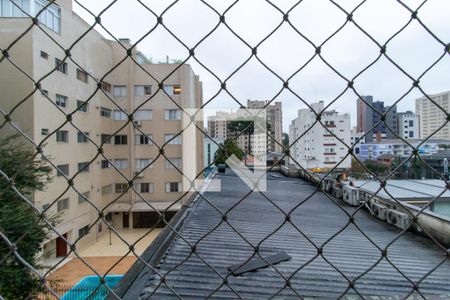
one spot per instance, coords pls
(227, 149)
(19, 222)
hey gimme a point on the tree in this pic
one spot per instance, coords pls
(375, 167)
(227, 149)
(19, 222)
(245, 126)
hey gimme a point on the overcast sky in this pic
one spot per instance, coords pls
(286, 51)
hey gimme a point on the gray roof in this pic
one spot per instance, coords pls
(346, 251)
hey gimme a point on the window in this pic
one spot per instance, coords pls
(83, 197)
(411, 134)
(105, 112)
(172, 89)
(82, 106)
(60, 66)
(105, 139)
(44, 92)
(120, 139)
(104, 164)
(62, 136)
(44, 55)
(171, 163)
(61, 101)
(107, 189)
(144, 187)
(172, 114)
(173, 187)
(143, 114)
(121, 187)
(62, 204)
(50, 17)
(141, 163)
(106, 87)
(120, 163)
(83, 167)
(82, 75)
(142, 90)
(120, 90)
(62, 170)
(141, 139)
(119, 115)
(82, 137)
(411, 123)
(172, 140)
(83, 231)
(44, 131)
(7, 9)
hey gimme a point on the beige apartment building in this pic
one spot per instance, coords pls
(98, 88)
(432, 117)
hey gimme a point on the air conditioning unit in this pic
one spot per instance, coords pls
(337, 191)
(328, 185)
(137, 123)
(400, 219)
(138, 174)
(379, 210)
(351, 195)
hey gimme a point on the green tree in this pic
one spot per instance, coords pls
(227, 149)
(285, 141)
(19, 222)
(245, 126)
(376, 167)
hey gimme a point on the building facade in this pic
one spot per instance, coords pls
(432, 117)
(356, 140)
(100, 97)
(408, 125)
(318, 148)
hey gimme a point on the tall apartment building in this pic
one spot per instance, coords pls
(367, 117)
(318, 148)
(408, 125)
(274, 116)
(99, 111)
(432, 117)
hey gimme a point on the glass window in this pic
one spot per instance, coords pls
(105, 112)
(173, 187)
(62, 204)
(82, 106)
(105, 139)
(121, 187)
(105, 164)
(60, 66)
(62, 170)
(106, 87)
(142, 163)
(120, 90)
(62, 136)
(44, 131)
(143, 114)
(172, 114)
(61, 101)
(83, 166)
(83, 197)
(83, 231)
(142, 90)
(44, 55)
(120, 139)
(120, 163)
(119, 115)
(142, 139)
(171, 139)
(144, 187)
(82, 137)
(82, 75)
(50, 17)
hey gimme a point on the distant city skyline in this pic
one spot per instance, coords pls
(413, 49)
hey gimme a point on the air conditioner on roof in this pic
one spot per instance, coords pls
(400, 219)
(351, 195)
(379, 210)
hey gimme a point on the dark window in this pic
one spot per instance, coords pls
(44, 131)
(105, 138)
(121, 187)
(82, 137)
(62, 136)
(82, 106)
(82, 75)
(106, 87)
(105, 112)
(60, 66)
(104, 164)
(83, 167)
(120, 139)
(411, 123)
(411, 134)
(62, 170)
(83, 231)
(83, 197)
(61, 100)
(62, 204)
(44, 55)
(141, 139)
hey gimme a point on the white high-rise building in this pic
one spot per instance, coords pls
(432, 117)
(318, 148)
(408, 125)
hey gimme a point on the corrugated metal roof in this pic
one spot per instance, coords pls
(407, 189)
(312, 275)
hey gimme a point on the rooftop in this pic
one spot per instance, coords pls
(411, 141)
(316, 222)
